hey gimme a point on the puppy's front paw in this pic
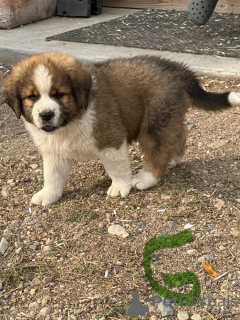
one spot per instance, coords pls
(45, 197)
(118, 188)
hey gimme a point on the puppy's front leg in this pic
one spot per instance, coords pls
(118, 166)
(56, 171)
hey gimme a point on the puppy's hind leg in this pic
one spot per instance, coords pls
(117, 164)
(155, 164)
(162, 148)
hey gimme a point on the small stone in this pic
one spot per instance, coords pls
(219, 203)
(18, 250)
(33, 246)
(205, 171)
(33, 305)
(36, 282)
(196, 316)
(209, 257)
(45, 249)
(201, 259)
(46, 280)
(238, 200)
(211, 225)
(103, 318)
(4, 244)
(173, 224)
(221, 248)
(1, 285)
(141, 223)
(182, 315)
(100, 225)
(5, 192)
(45, 300)
(192, 252)
(116, 229)
(10, 181)
(49, 241)
(236, 232)
(108, 216)
(166, 311)
(153, 317)
(135, 215)
(32, 292)
(191, 126)
(218, 144)
(34, 166)
(44, 311)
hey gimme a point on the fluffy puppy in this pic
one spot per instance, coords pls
(75, 112)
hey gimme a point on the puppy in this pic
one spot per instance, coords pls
(76, 112)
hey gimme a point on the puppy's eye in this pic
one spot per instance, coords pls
(33, 97)
(58, 95)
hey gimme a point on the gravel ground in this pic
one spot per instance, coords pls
(60, 262)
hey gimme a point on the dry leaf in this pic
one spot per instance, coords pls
(206, 266)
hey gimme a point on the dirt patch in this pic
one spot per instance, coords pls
(57, 257)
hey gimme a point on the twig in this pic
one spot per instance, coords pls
(210, 315)
(95, 182)
(222, 275)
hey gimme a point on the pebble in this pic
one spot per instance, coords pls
(1, 285)
(46, 280)
(236, 232)
(221, 248)
(218, 144)
(182, 315)
(46, 249)
(191, 126)
(34, 166)
(101, 225)
(205, 171)
(166, 311)
(44, 311)
(153, 318)
(36, 282)
(18, 250)
(33, 305)
(32, 292)
(10, 181)
(192, 252)
(211, 225)
(208, 257)
(4, 244)
(173, 224)
(201, 259)
(45, 300)
(5, 192)
(196, 316)
(116, 229)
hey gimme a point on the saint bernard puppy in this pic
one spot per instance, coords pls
(77, 111)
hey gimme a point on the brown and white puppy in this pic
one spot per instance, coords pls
(76, 112)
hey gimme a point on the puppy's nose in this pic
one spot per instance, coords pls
(46, 115)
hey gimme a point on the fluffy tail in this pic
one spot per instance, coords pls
(211, 101)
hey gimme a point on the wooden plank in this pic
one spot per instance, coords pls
(178, 5)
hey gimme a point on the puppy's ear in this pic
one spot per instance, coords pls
(81, 82)
(10, 94)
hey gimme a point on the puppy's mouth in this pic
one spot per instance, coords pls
(51, 128)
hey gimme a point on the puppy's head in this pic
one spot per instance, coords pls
(48, 90)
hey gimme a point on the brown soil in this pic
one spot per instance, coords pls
(66, 249)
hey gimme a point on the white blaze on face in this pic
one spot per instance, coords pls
(43, 82)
